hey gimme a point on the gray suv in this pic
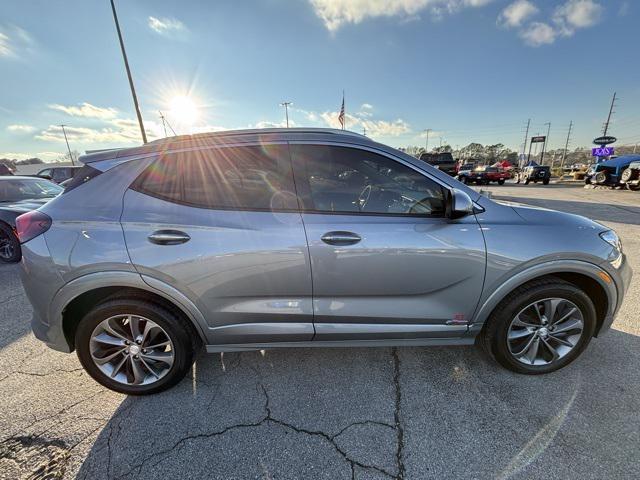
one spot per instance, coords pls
(245, 240)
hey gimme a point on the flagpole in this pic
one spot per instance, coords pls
(344, 123)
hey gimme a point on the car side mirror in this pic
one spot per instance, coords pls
(46, 177)
(459, 204)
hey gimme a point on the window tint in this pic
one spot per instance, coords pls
(246, 178)
(343, 180)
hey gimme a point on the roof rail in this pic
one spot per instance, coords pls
(254, 131)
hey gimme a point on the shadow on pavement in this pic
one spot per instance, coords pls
(382, 413)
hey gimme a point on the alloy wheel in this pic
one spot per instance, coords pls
(545, 331)
(131, 349)
(7, 249)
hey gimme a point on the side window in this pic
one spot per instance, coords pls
(349, 180)
(45, 173)
(59, 174)
(243, 178)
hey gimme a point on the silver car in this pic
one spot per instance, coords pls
(245, 240)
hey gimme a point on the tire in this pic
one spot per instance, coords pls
(527, 180)
(493, 337)
(545, 181)
(501, 181)
(183, 338)
(600, 178)
(10, 251)
(633, 188)
(463, 179)
(587, 180)
(517, 178)
(627, 175)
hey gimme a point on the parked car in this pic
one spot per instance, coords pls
(442, 161)
(464, 167)
(609, 172)
(163, 249)
(58, 174)
(535, 174)
(476, 175)
(17, 196)
(496, 174)
(631, 176)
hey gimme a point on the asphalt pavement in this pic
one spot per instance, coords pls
(375, 413)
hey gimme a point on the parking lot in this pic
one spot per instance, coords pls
(374, 413)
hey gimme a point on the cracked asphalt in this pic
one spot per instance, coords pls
(407, 413)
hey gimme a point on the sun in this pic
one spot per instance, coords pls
(183, 110)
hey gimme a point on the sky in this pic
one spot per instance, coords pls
(468, 70)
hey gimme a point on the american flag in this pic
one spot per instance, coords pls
(341, 115)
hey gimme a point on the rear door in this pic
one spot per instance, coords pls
(386, 263)
(222, 226)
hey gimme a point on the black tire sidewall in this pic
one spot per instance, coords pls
(173, 326)
(8, 232)
(502, 319)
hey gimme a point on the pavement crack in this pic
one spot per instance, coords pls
(397, 414)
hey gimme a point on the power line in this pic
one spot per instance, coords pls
(166, 123)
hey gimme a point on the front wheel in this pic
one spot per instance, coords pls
(545, 181)
(527, 180)
(135, 347)
(540, 327)
(501, 181)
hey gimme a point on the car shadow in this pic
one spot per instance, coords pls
(15, 323)
(381, 413)
(597, 211)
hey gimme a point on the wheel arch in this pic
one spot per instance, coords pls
(588, 277)
(74, 300)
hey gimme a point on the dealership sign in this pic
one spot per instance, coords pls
(606, 140)
(602, 151)
(539, 139)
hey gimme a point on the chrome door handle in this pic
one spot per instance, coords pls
(340, 238)
(168, 237)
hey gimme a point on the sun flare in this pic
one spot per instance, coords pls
(183, 110)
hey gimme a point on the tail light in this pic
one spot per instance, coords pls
(31, 224)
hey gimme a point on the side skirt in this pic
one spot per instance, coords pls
(397, 342)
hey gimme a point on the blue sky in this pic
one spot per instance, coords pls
(470, 70)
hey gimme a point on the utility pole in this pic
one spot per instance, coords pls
(566, 145)
(165, 124)
(286, 110)
(426, 145)
(544, 145)
(606, 125)
(364, 131)
(526, 136)
(440, 142)
(68, 147)
(126, 66)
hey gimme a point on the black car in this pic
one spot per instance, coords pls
(476, 175)
(631, 176)
(443, 161)
(535, 174)
(19, 195)
(58, 174)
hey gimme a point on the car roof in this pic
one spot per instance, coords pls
(229, 137)
(21, 177)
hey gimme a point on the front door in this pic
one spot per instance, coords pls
(385, 261)
(222, 226)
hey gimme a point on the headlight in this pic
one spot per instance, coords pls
(612, 239)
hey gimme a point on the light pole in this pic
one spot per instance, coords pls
(426, 145)
(126, 66)
(544, 145)
(68, 147)
(286, 110)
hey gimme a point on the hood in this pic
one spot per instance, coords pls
(545, 216)
(620, 161)
(24, 206)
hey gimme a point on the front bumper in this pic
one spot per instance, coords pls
(622, 279)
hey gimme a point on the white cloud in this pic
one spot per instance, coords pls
(336, 13)
(538, 33)
(366, 106)
(86, 110)
(14, 41)
(577, 14)
(516, 13)
(374, 128)
(19, 128)
(165, 26)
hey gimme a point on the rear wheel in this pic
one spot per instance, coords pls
(10, 251)
(545, 181)
(600, 178)
(540, 327)
(135, 347)
(501, 181)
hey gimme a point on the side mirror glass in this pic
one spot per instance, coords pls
(460, 204)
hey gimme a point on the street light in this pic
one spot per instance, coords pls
(68, 147)
(286, 110)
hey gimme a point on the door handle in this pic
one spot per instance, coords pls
(340, 238)
(168, 237)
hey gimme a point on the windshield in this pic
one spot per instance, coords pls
(15, 190)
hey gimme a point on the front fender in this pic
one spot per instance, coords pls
(55, 335)
(537, 271)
